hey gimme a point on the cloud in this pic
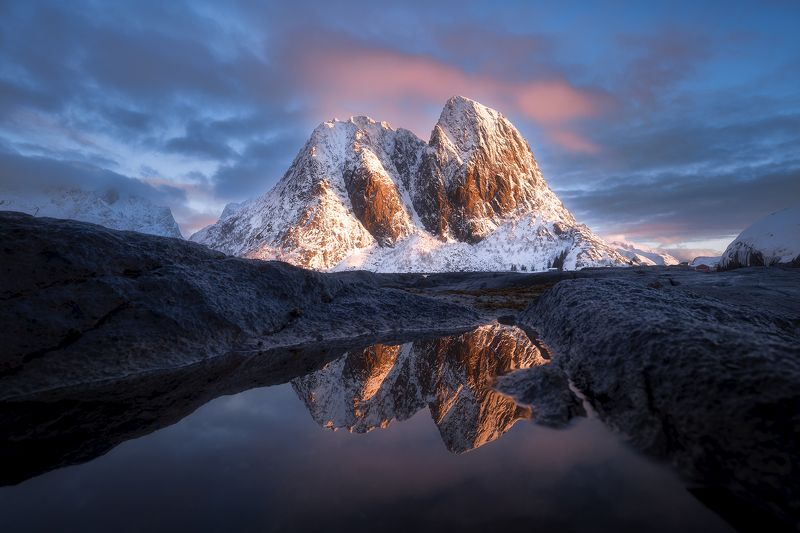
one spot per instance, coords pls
(656, 63)
(668, 207)
(347, 77)
(261, 164)
(647, 124)
(26, 173)
(196, 145)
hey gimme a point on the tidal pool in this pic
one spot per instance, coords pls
(405, 437)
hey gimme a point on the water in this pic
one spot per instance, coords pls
(391, 438)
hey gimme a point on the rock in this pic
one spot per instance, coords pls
(481, 171)
(704, 374)
(83, 303)
(376, 201)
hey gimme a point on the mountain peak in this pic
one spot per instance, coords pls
(359, 121)
(467, 124)
(360, 192)
(459, 110)
(463, 104)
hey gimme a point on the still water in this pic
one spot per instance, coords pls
(405, 437)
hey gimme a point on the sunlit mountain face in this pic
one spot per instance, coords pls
(361, 195)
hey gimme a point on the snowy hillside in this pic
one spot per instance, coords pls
(772, 240)
(108, 209)
(362, 195)
(643, 255)
(710, 261)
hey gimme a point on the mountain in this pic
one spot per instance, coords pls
(643, 255)
(451, 376)
(108, 208)
(711, 261)
(230, 209)
(772, 240)
(361, 195)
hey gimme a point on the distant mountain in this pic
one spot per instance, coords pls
(109, 209)
(710, 261)
(643, 255)
(363, 195)
(772, 240)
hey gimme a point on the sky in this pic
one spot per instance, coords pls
(675, 124)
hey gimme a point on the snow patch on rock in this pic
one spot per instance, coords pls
(772, 240)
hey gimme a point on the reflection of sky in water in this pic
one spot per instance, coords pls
(257, 461)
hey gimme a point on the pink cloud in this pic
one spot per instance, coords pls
(572, 141)
(405, 89)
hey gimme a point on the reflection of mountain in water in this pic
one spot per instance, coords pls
(452, 376)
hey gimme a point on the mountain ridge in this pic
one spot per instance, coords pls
(361, 194)
(108, 208)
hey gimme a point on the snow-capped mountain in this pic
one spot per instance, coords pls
(451, 376)
(710, 261)
(772, 240)
(643, 255)
(363, 195)
(230, 209)
(109, 209)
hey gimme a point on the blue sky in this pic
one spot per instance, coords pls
(674, 123)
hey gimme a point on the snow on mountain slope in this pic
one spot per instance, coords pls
(230, 209)
(710, 261)
(772, 240)
(340, 194)
(644, 255)
(526, 243)
(109, 209)
(363, 195)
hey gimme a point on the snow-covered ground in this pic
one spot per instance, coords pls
(772, 240)
(644, 255)
(709, 261)
(109, 209)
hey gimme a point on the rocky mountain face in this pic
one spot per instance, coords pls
(106, 208)
(772, 240)
(451, 376)
(363, 195)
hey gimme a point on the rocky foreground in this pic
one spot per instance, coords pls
(110, 335)
(702, 371)
(82, 303)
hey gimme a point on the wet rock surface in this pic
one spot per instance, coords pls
(703, 372)
(82, 303)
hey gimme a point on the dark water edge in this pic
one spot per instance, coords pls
(423, 442)
(256, 461)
